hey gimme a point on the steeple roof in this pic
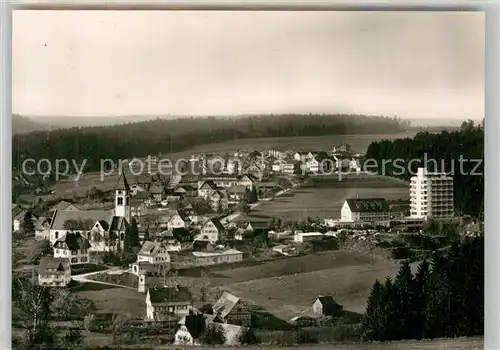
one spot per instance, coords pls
(122, 183)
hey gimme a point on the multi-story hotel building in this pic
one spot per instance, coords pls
(431, 195)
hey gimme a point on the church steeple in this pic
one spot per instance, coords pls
(122, 183)
(122, 198)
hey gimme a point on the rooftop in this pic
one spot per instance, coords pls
(222, 252)
(368, 204)
(160, 295)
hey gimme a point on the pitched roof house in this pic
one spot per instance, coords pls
(325, 305)
(154, 253)
(365, 209)
(54, 271)
(231, 309)
(42, 228)
(212, 230)
(73, 246)
(164, 301)
(64, 205)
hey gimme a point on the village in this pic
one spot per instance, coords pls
(160, 227)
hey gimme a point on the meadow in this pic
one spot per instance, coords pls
(323, 197)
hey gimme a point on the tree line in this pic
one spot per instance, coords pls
(444, 298)
(165, 136)
(447, 148)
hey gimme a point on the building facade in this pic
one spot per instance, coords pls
(431, 195)
(373, 210)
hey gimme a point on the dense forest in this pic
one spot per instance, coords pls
(160, 135)
(447, 148)
(444, 298)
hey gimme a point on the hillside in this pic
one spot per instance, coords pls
(166, 136)
(24, 125)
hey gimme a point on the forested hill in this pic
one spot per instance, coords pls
(160, 135)
(446, 148)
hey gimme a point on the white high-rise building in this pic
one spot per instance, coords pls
(431, 195)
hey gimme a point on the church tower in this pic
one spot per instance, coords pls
(122, 198)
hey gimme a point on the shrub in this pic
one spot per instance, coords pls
(347, 332)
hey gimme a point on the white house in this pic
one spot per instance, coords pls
(73, 246)
(217, 257)
(178, 219)
(211, 230)
(17, 217)
(42, 228)
(301, 237)
(154, 253)
(365, 210)
(167, 301)
(54, 272)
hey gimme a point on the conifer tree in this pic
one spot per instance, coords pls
(404, 303)
(372, 321)
(134, 234)
(420, 291)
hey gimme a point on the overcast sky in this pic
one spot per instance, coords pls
(93, 63)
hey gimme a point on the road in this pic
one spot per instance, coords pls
(83, 278)
(225, 221)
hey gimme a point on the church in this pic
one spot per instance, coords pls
(104, 229)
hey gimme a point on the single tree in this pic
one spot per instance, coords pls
(213, 335)
(28, 224)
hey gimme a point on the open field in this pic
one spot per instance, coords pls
(456, 344)
(359, 143)
(109, 299)
(288, 296)
(325, 196)
(289, 266)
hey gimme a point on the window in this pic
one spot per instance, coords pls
(83, 259)
(120, 201)
(57, 234)
(127, 201)
(74, 260)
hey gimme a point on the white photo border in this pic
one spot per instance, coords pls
(492, 122)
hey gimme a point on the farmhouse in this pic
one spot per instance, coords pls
(157, 192)
(171, 244)
(320, 162)
(231, 309)
(178, 219)
(153, 252)
(301, 237)
(205, 188)
(73, 246)
(365, 210)
(54, 272)
(236, 193)
(212, 230)
(326, 306)
(255, 170)
(42, 228)
(167, 301)
(217, 257)
(18, 214)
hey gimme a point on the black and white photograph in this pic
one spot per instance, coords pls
(261, 179)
